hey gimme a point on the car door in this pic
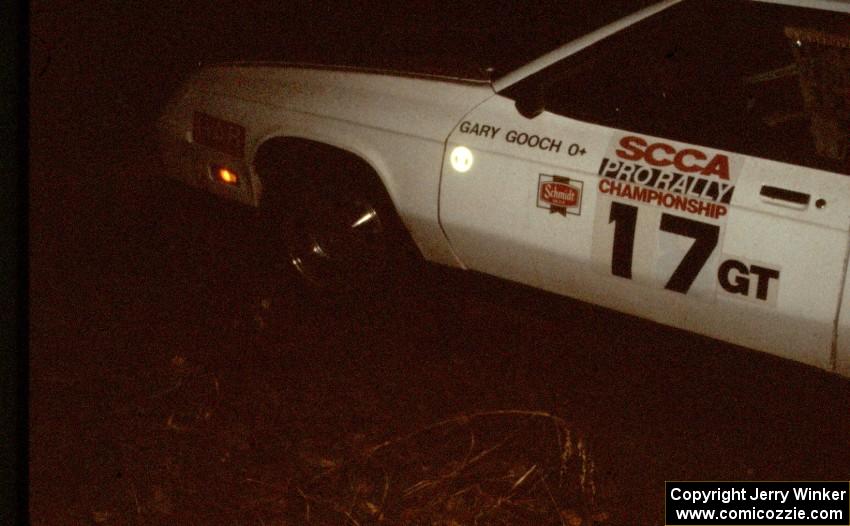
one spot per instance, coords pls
(674, 171)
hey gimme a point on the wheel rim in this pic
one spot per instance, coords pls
(338, 244)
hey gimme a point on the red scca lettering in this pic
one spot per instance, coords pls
(633, 148)
(718, 166)
(659, 161)
(659, 154)
(680, 160)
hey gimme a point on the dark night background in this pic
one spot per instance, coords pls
(172, 382)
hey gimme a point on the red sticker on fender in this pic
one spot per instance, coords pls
(559, 195)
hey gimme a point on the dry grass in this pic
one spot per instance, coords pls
(189, 452)
(495, 467)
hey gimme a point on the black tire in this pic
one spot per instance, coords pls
(327, 219)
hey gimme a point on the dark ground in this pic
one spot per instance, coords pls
(173, 383)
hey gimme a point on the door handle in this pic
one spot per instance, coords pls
(790, 197)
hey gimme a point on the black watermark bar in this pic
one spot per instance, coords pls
(757, 503)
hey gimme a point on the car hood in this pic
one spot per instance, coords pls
(424, 104)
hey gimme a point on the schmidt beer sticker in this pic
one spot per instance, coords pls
(559, 195)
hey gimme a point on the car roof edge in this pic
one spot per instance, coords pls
(574, 46)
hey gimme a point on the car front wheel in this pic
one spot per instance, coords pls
(326, 215)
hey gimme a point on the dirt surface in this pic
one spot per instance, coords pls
(173, 381)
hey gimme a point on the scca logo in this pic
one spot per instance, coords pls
(687, 160)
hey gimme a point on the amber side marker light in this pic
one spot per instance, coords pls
(225, 175)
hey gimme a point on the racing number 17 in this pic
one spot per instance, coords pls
(705, 238)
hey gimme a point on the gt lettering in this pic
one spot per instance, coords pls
(735, 278)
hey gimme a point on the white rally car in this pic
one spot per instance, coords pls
(687, 163)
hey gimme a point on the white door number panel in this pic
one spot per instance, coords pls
(660, 218)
